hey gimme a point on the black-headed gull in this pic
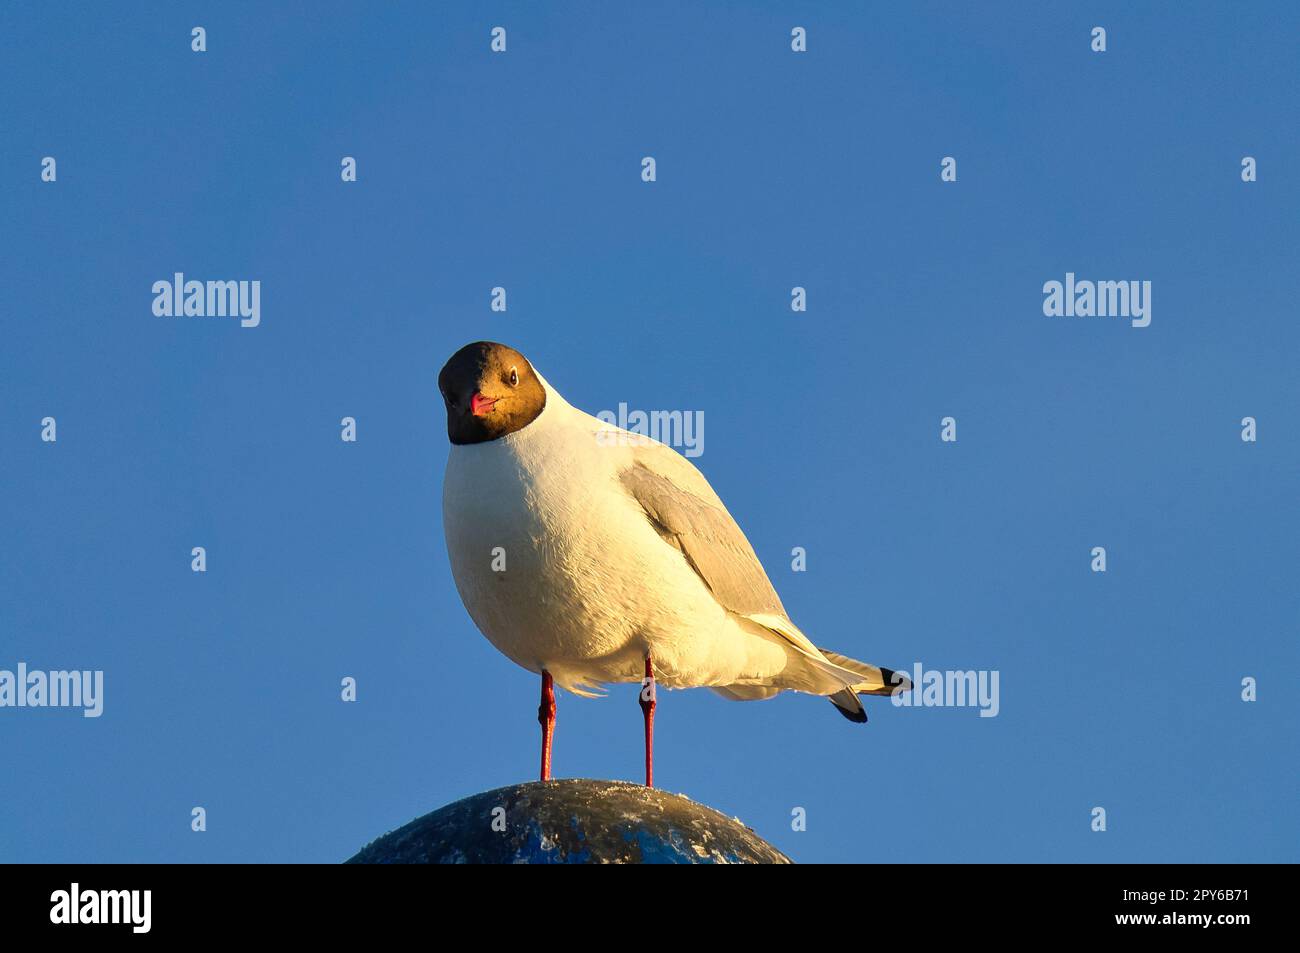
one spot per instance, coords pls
(592, 556)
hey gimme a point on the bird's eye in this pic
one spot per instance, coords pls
(514, 377)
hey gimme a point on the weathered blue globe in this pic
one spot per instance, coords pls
(572, 822)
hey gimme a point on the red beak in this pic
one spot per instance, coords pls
(481, 406)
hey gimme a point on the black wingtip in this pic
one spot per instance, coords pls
(848, 705)
(896, 680)
(857, 717)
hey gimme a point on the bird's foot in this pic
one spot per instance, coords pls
(648, 704)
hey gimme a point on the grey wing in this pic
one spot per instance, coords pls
(707, 536)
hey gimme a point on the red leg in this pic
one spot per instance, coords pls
(648, 710)
(546, 718)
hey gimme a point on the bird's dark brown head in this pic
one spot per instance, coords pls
(490, 390)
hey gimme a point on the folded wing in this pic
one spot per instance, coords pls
(689, 516)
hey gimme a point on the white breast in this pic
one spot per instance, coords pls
(588, 586)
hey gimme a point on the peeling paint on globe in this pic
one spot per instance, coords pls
(572, 821)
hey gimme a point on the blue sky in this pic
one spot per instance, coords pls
(775, 169)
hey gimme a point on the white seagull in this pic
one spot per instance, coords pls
(592, 556)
